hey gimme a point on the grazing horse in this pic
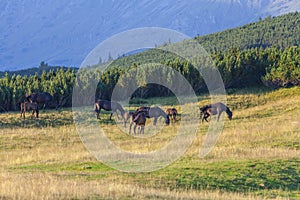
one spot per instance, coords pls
(172, 112)
(138, 119)
(44, 98)
(29, 106)
(108, 106)
(214, 109)
(154, 112)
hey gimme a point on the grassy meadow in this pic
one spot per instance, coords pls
(257, 156)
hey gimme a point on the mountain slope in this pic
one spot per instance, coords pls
(63, 32)
(282, 32)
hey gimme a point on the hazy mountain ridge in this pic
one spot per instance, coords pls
(63, 32)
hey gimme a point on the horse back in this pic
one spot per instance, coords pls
(44, 97)
(29, 106)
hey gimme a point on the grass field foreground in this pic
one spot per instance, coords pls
(256, 157)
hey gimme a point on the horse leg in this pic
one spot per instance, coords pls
(206, 116)
(219, 114)
(134, 128)
(202, 118)
(155, 120)
(118, 114)
(21, 112)
(98, 113)
(124, 121)
(130, 125)
(111, 115)
(24, 111)
(142, 129)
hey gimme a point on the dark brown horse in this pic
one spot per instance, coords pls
(154, 112)
(138, 119)
(108, 106)
(214, 109)
(29, 106)
(172, 112)
(42, 98)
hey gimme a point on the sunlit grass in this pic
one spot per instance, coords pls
(256, 156)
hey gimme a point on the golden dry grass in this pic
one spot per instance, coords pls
(53, 186)
(46, 162)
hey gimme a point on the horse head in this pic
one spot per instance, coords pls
(31, 97)
(229, 113)
(167, 121)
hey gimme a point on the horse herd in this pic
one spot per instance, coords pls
(138, 117)
(32, 101)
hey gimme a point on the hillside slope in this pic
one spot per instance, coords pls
(281, 32)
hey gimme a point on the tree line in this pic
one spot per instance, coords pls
(271, 66)
(58, 83)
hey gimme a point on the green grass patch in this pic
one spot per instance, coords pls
(237, 176)
(63, 167)
(47, 118)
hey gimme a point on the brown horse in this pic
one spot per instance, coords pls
(108, 106)
(154, 112)
(214, 109)
(138, 119)
(172, 112)
(29, 106)
(42, 98)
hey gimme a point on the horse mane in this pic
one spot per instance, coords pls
(163, 113)
(228, 111)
